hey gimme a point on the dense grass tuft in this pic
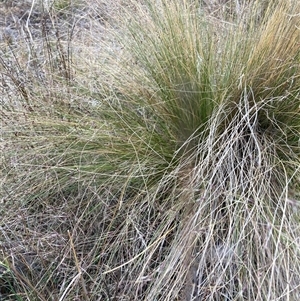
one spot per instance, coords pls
(168, 170)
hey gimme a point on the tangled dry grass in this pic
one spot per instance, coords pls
(150, 151)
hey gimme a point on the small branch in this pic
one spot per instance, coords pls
(85, 293)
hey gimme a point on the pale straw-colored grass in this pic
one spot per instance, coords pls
(165, 166)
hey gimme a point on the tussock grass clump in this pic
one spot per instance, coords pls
(177, 178)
